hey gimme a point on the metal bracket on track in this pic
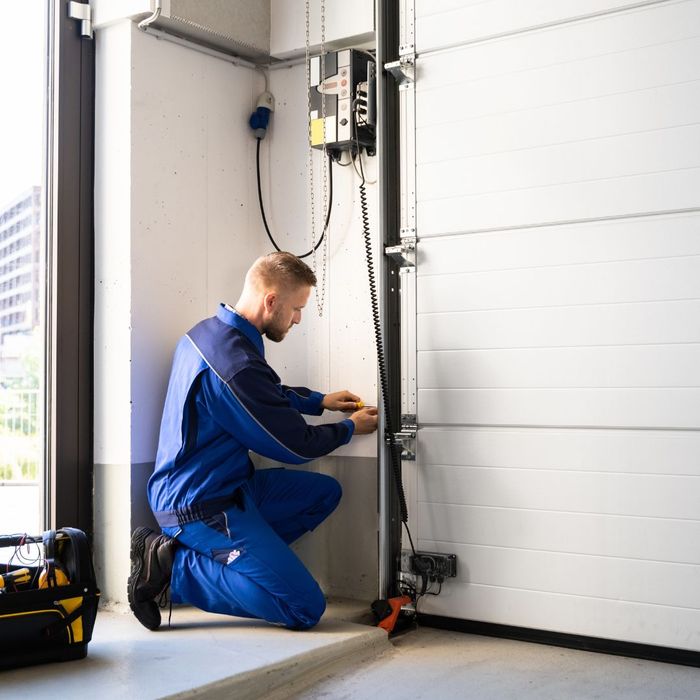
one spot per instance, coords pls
(403, 70)
(404, 254)
(406, 437)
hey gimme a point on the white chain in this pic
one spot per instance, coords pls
(322, 279)
(310, 164)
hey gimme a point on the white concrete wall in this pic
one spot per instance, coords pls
(177, 226)
(334, 351)
(347, 24)
(112, 373)
(175, 232)
(194, 223)
(112, 245)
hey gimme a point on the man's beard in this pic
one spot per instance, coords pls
(276, 330)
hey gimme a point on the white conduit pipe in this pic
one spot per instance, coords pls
(143, 25)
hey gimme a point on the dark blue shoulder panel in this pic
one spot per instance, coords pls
(224, 348)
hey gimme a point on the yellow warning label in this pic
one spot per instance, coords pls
(316, 132)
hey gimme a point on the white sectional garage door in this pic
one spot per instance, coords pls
(557, 182)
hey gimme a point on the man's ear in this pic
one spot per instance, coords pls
(270, 301)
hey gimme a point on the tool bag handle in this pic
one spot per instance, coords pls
(81, 562)
(82, 568)
(21, 539)
(49, 541)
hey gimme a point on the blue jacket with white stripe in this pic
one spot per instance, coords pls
(223, 400)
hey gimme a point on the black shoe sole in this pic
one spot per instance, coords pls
(146, 612)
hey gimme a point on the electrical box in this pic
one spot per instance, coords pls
(349, 89)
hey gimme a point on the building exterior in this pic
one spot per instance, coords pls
(20, 227)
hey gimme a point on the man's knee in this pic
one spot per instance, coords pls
(332, 492)
(306, 615)
(324, 496)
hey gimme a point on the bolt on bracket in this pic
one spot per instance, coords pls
(403, 70)
(406, 437)
(404, 254)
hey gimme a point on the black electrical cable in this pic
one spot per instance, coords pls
(262, 207)
(393, 451)
(342, 165)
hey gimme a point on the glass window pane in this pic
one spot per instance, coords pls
(23, 55)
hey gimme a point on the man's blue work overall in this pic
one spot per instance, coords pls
(234, 524)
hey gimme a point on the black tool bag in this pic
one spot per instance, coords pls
(49, 598)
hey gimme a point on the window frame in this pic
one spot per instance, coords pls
(69, 289)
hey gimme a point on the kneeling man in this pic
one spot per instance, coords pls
(226, 527)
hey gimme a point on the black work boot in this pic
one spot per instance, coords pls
(151, 565)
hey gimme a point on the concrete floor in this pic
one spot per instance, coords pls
(436, 664)
(201, 656)
(216, 657)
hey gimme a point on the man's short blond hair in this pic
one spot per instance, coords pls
(282, 270)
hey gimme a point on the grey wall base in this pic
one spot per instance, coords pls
(342, 552)
(141, 513)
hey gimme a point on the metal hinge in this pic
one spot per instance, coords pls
(403, 70)
(404, 254)
(83, 13)
(406, 437)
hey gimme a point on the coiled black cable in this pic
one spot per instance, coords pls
(381, 361)
(262, 207)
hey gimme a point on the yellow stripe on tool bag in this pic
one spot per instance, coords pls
(68, 604)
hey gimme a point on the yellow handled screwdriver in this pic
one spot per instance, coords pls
(15, 577)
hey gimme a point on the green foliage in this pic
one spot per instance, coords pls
(32, 365)
(22, 470)
(20, 407)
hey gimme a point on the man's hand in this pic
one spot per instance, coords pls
(365, 420)
(341, 401)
